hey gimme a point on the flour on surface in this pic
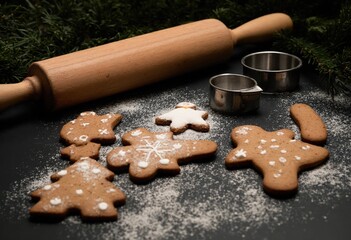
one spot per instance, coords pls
(206, 198)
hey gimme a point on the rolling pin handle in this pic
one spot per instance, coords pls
(14, 93)
(261, 29)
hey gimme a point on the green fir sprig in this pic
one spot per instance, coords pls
(32, 30)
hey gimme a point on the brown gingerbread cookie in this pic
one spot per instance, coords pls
(184, 116)
(276, 155)
(90, 127)
(75, 153)
(84, 187)
(312, 127)
(147, 153)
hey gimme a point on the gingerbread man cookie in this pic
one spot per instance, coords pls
(183, 117)
(90, 127)
(147, 153)
(84, 187)
(276, 155)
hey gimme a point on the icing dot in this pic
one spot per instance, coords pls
(259, 147)
(55, 201)
(104, 120)
(293, 140)
(240, 153)
(273, 140)
(262, 141)
(246, 141)
(263, 152)
(79, 191)
(298, 158)
(306, 147)
(103, 206)
(47, 187)
(143, 164)
(62, 172)
(110, 190)
(96, 170)
(84, 124)
(272, 163)
(282, 159)
(164, 161)
(121, 153)
(83, 138)
(283, 151)
(280, 133)
(276, 175)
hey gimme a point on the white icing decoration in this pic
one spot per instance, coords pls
(293, 140)
(272, 163)
(62, 172)
(84, 124)
(280, 133)
(79, 191)
(87, 114)
(240, 153)
(297, 158)
(55, 201)
(306, 147)
(103, 131)
(246, 141)
(103, 206)
(73, 121)
(262, 141)
(110, 190)
(136, 133)
(47, 187)
(274, 146)
(164, 161)
(155, 148)
(276, 175)
(283, 151)
(259, 147)
(83, 138)
(273, 140)
(282, 159)
(177, 146)
(181, 117)
(143, 164)
(263, 152)
(121, 153)
(96, 170)
(104, 120)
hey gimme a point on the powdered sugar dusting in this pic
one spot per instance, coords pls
(206, 199)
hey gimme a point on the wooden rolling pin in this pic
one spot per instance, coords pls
(127, 64)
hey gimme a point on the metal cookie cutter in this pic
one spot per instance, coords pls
(273, 71)
(234, 93)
